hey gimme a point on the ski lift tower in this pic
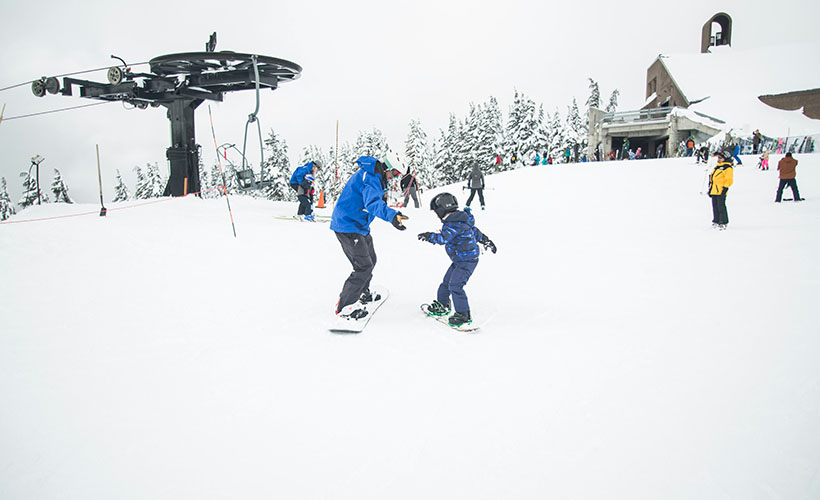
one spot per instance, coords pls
(180, 83)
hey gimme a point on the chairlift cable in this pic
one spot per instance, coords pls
(68, 74)
(56, 110)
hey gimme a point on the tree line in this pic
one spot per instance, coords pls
(481, 137)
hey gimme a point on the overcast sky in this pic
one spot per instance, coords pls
(365, 63)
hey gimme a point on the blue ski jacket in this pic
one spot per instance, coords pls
(361, 200)
(459, 236)
(300, 173)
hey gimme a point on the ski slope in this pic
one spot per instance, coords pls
(631, 351)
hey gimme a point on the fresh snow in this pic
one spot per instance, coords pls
(634, 352)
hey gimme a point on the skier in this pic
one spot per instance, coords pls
(460, 238)
(476, 184)
(360, 202)
(787, 167)
(410, 186)
(719, 181)
(302, 182)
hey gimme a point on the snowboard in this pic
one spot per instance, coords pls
(346, 325)
(318, 218)
(444, 320)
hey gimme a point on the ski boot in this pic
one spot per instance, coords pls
(355, 310)
(310, 218)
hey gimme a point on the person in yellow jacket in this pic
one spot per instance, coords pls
(719, 181)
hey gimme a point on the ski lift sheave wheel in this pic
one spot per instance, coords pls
(43, 85)
(115, 75)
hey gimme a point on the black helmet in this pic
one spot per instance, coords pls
(443, 203)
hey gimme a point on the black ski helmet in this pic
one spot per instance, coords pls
(443, 203)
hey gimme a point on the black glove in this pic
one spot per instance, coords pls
(425, 236)
(488, 244)
(397, 221)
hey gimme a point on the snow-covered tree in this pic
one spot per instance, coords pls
(59, 189)
(522, 128)
(120, 189)
(594, 99)
(31, 194)
(445, 154)
(6, 206)
(143, 189)
(576, 133)
(557, 140)
(277, 169)
(339, 173)
(419, 155)
(613, 101)
(371, 143)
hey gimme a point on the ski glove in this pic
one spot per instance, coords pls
(397, 221)
(488, 244)
(425, 236)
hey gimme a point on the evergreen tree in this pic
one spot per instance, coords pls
(120, 190)
(156, 184)
(445, 156)
(338, 174)
(613, 101)
(142, 191)
(594, 99)
(576, 137)
(522, 129)
(30, 191)
(59, 189)
(419, 155)
(6, 206)
(277, 169)
(557, 138)
(371, 143)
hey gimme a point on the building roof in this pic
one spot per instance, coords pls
(726, 84)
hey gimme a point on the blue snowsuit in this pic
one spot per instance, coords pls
(303, 188)
(361, 201)
(460, 239)
(735, 154)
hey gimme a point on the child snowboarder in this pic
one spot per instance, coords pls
(460, 238)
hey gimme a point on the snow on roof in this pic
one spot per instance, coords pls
(726, 84)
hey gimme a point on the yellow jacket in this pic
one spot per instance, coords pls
(721, 178)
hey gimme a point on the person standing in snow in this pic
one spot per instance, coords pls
(360, 202)
(719, 181)
(764, 159)
(625, 149)
(756, 137)
(690, 146)
(736, 152)
(460, 238)
(302, 182)
(476, 184)
(788, 177)
(410, 187)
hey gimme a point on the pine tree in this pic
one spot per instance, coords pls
(6, 206)
(59, 189)
(338, 174)
(419, 155)
(613, 101)
(445, 156)
(557, 139)
(371, 143)
(30, 191)
(594, 99)
(120, 190)
(142, 191)
(277, 169)
(156, 184)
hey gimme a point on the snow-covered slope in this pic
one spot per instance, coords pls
(630, 351)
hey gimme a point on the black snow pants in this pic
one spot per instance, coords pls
(358, 249)
(472, 195)
(719, 213)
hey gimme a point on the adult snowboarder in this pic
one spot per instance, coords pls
(719, 181)
(476, 184)
(302, 182)
(360, 202)
(460, 238)
(787, 166)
